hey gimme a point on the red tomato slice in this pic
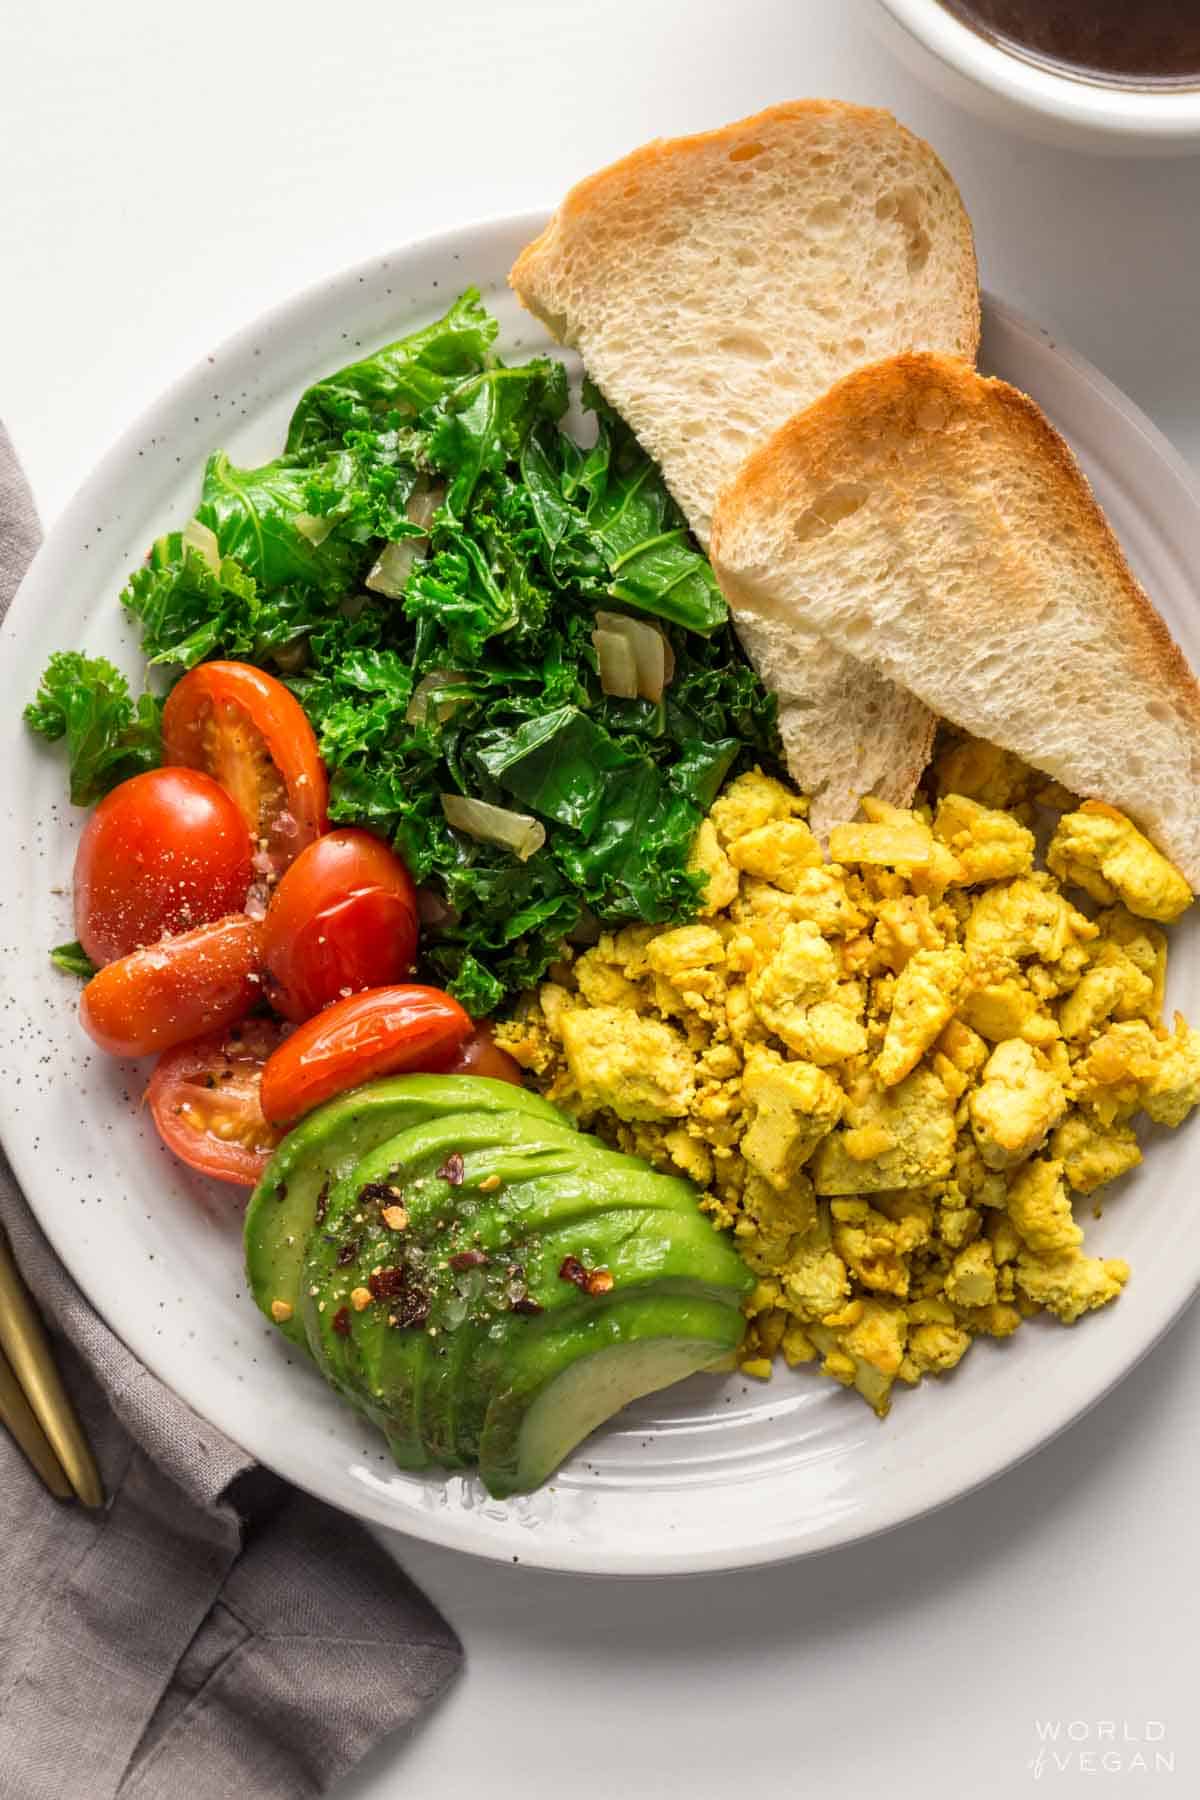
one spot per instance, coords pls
(343, 918)
(480, 1056)
(245, 730)
(163, 852)
(205, 1100)
(201, 981)
(386, 1031)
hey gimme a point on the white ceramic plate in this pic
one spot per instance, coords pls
(715, 1474)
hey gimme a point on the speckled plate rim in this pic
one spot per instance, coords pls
(1156, 493)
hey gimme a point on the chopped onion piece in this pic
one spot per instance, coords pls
(650, 649)
(618, 664)
(394, 563)
(429, 684)
(493, 825)
(423, 502)
(314, 526)
(203, 541)
(393, 566)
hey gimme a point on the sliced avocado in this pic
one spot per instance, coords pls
(526, 1196)
(566, 1382)
(354, 1243)
(483, 1339)
(284, 1207)
(381, 1372)
(377, 1368)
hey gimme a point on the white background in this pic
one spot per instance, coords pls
(168, 172)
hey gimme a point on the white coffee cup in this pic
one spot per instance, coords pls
(1086, 112)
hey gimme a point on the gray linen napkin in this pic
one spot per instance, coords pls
(212, 1632)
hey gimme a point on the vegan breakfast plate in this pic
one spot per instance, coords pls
(165, 1271)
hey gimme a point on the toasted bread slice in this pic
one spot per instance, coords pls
(717, 284)
(934, 524)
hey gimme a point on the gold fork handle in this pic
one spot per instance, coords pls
(24, 1342)
(18, 1416)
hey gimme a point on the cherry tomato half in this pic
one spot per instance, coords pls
(163, 852)
(200, 981)
(343, 918)
(205, 1100)
(386, 1031)
(481, 1056)
(245, 730)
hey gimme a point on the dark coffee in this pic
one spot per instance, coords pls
(1138, 42)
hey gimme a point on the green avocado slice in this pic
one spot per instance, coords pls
(527, 1195)
(379, 1369)
(447, 1415)
(566, 1382)
(394, 1368)
(284, 1207)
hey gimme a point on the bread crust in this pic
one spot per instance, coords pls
(596, 206)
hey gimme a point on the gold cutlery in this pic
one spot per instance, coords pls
(33, 1401)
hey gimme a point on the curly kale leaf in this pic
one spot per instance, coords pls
(395, 383)
(189, 610)
(485, 424)
(109, 736)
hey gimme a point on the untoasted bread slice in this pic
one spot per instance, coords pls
(715, 285)
(846, 730)
(934, 524)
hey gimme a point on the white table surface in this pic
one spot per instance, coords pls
(167, 173)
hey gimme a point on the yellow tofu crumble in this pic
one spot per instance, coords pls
(889, 1073)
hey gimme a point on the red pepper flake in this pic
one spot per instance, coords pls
(453, 1169)
(588, 1281)
(348, 1252)
(341, 1321)
(526, 1305)
(468, 1259)
(386, 1284)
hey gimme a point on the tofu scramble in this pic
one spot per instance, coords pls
(889, 1071)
